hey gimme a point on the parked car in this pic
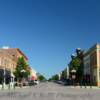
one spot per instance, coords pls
(33, 82)
(36, 82)
(25, 83)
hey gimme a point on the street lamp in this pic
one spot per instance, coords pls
(4, 78)
(22, 72)
(12, 79)
(73, 75)
(72, 56)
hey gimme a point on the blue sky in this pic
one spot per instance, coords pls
(48, 31)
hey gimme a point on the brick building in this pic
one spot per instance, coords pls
(8, 62)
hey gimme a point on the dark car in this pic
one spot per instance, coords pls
(31, 83)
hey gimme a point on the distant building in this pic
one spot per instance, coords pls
(67, 72)
(59, 75)
(63, 75)
(91, 62)
(33, 74)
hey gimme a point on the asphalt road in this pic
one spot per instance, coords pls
(50, 91)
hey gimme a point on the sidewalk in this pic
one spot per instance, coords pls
(12, 88)
(85, 87)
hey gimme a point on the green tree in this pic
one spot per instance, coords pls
(22, 69)
(75, 63)
(41, 78)
(55, 77)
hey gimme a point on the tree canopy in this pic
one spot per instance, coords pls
(75, 63)
(54, 78)
(22, 69)
(41, 78)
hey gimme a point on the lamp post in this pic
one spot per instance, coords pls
(22, 72)
(12, 80)
(4, 79)
(73, 75)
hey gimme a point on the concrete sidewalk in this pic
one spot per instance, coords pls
(7, 87)
(84, 87)
(75, 87)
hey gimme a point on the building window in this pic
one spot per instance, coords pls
(93, 58)
(0, 61)
(5, 62)
(99, 74)
(87, 68)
